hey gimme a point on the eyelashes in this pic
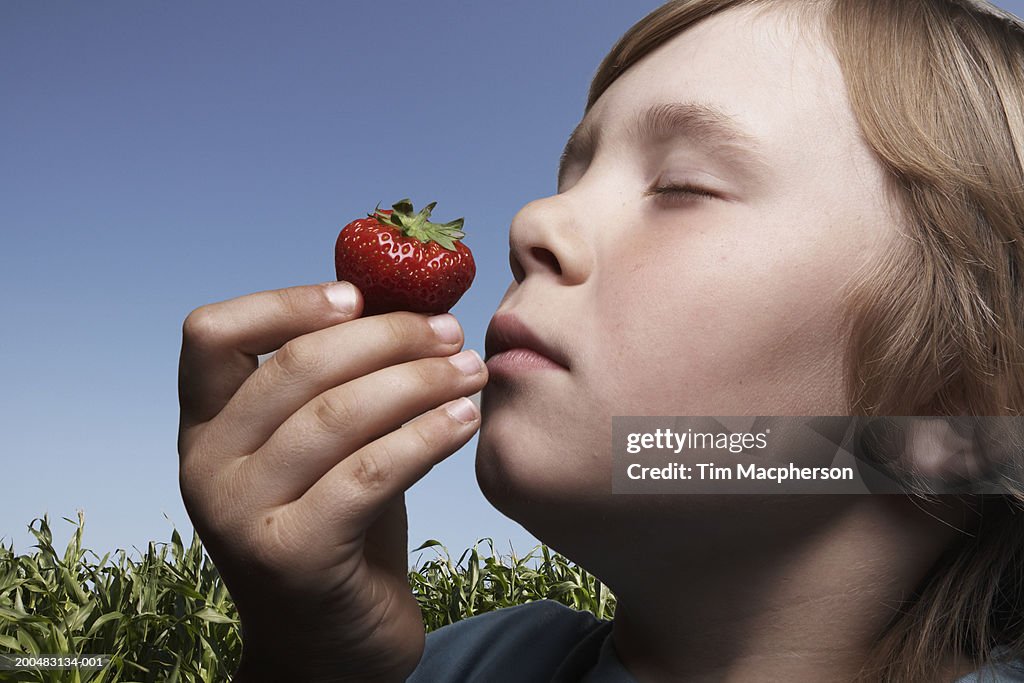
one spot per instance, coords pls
(684, 193)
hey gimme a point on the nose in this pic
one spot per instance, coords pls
(546, 238)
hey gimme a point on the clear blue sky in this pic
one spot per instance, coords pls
(156, 156)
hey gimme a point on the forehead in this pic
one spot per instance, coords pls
(770, 70)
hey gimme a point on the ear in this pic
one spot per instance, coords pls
(934, 455)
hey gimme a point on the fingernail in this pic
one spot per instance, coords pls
(342, 296)
(462, 409)
(467, 361)
(446, 327)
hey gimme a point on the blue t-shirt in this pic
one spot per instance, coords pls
(547, 642)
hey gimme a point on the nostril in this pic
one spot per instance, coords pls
(518, 274)
(547, 258)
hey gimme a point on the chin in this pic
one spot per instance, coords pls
(532, 477)
(513, 470)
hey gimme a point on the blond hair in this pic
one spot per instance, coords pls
(937, 325)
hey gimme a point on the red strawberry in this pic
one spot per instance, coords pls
(400, 261)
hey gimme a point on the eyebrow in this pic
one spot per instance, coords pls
(702, 124)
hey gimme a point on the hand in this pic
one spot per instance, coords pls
(294, 471)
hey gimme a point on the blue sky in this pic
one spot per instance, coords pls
(156, 156)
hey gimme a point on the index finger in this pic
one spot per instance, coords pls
(221, 342)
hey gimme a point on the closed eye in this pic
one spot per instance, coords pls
(681, 192)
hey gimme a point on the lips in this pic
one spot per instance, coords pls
(506, 332)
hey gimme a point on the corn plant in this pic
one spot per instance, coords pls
(449, 591)
(167, 616)
(164, 617)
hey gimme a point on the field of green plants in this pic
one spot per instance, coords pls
(166, 615)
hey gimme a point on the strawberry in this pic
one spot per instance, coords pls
(400, 261)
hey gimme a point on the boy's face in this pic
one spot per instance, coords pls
(678, 305)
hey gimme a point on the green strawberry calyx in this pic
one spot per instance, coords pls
(418, 225)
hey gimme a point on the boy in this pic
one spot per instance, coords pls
(734, 233)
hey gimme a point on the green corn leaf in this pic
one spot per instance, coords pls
(430, 543)
(28, 643)
(175, 674)
(76, 620)
(13, 614)
(104, 619)
(59, 640)
(72, 585)
(10, 643)
(211, 615)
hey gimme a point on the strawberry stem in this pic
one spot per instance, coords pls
(418, 225)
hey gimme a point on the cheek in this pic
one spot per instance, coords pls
(709, 323)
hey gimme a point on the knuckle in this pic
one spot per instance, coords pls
(271, 543)
(188, 477)
(200, 492)
(232, 515)
(297, 358)
(306, 300)
(201, 327)
(189, 484)
(374, 468)
(334, 412)
(431, 372)
(423, 435)
(404, 327)
(395, 327)
(299, 300)
(425, 373)
(193, 470)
